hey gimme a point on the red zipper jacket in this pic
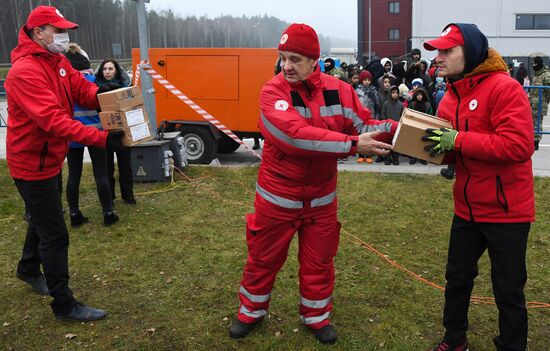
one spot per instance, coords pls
(41, 89)
(307, 126)
(494, 176)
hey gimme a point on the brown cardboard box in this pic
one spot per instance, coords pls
(123, 118)
(412, 127)
(120, 99)
(137, 134)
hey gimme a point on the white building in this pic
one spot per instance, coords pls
(513, 27)
(348, 55)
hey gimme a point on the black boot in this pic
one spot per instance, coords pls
(82, 313)
(77, 219)
(109, 218)
(326, 335)
(379, 159)
(240, 329)
(537, 144)
(395, 159)
(37, 283)
(129, 200)
(412, 161)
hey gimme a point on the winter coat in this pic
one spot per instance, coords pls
(42, 88)
(521, 74)
(392, 109)
(307, 126)
(540, 78)
(421, 106)
(369, 98)
(493, 149)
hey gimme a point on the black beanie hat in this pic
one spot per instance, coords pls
(538, 60)
(78, 61)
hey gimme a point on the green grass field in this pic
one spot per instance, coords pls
(169, 271)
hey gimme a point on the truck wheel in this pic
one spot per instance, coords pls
(226, 145)
(200, 145)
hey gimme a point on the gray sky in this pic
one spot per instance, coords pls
(335, 19)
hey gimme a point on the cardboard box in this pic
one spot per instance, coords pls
(412, 127)
(124, 118)
(137, 134)
(120, 99)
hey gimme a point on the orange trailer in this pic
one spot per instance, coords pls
(224, 82)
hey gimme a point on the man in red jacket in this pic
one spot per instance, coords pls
(309, 119)
(492, 144)
(41, 87)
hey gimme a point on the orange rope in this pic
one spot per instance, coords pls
(482, 300)
(478, 300)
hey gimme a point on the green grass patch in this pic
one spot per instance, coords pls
(169, 271)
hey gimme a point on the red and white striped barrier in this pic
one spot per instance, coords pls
(150, 71)
(137, 72)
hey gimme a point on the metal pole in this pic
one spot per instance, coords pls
(370, 32)
(146, 81)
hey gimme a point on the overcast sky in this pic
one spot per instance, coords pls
(329, 18)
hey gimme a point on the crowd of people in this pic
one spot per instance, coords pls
(386, 87)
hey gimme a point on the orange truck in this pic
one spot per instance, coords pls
(224, 82)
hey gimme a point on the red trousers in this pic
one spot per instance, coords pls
(268, 240)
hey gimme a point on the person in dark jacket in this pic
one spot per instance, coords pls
(491, 144)
(75, 157)
(42, 88)
(109, 72)
(392, 109)
(521, 73)
(420, 102)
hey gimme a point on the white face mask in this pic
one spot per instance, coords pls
(59, 44)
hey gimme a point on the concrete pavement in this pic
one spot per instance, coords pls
(242, 158)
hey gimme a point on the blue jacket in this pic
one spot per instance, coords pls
(85, 116)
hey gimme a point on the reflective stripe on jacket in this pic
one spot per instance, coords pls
(307, 126)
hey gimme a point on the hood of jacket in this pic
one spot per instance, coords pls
(383, 63)
(493, 63)
(26, 46)
(475, 46)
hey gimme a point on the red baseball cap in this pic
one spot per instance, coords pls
(43, 15)
(449, 38)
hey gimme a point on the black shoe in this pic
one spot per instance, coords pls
(443, 346)
(240, 329)
(130, 200)
(77, 219)
(379, 159)
(423, 162)
(537, 144)
(412, 161)
(447, 173)
(387, 161)
(82, 313)
(109, 218)
(38, 283)
(395, 161)
(326, 335)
